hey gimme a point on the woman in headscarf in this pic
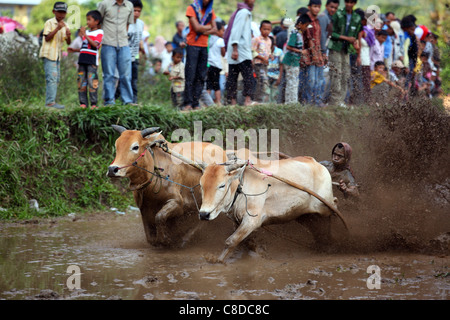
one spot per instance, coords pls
(340, 170)
(202, 23)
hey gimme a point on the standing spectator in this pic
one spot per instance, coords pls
(366, 39)
(88, 59)
(326, 29)
(201, 24)
(408, 25)
(262, 49)
(346, 27)
(291, 60)
(281, 36)
(238, 40)
(397, 43)
(215, 54)
(313, 57)
(274, 70)
(377, 50)
(117, 16)
(302, 74)
(55, 33)
(134, 38)
(176, 76)
(178, 40)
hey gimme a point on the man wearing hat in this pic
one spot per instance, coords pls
(397, 72)
(55, 34)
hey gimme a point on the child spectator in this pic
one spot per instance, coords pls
(54, 35)
(176, 75)
(366, 39)
(88, 59)
(291, 60)
(274, 70)
(377, 50)
(215, 54)
(379, 82)
(261, 48)
(178, 40)
(134, 38)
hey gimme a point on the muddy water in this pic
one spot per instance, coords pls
(116, 263)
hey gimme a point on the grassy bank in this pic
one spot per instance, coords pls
(60, 158)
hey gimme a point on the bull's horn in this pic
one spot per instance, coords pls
(119, 129)
(149, 131)
(202, 165)
(234, 166)
(231, 156)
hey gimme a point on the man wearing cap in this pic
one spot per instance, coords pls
(54, 35)
(117, 16)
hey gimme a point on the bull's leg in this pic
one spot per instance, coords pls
(237, 237)
(149, 229)
(171, 209)
(320, 228)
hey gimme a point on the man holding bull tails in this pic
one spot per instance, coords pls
(341, 173)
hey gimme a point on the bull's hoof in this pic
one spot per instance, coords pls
(210, 258)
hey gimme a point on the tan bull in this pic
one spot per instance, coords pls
(139, 159)
(253, 199)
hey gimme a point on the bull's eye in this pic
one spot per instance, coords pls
(221, 186)
(135, 148)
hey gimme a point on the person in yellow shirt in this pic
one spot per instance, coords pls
(55, 34)
(379, 78)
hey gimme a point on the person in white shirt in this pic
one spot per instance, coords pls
(215, 54)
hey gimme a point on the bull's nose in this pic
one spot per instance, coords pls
(112, 170)
(204, 215)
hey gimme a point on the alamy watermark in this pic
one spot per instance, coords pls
(74, 280)
(263, 144)
(374, 280)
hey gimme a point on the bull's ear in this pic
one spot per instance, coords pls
(119, 129)
(146, 132)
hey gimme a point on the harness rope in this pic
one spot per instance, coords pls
(163, 145)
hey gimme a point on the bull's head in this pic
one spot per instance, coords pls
(219, 184)
(129, 146)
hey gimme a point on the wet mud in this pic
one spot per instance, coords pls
(116, 262)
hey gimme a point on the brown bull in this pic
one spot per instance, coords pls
(253, 199)
(139, 159)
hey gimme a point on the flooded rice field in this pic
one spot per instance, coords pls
(112, 260)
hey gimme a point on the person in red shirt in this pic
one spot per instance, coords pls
(201, 24)
(88, 59)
